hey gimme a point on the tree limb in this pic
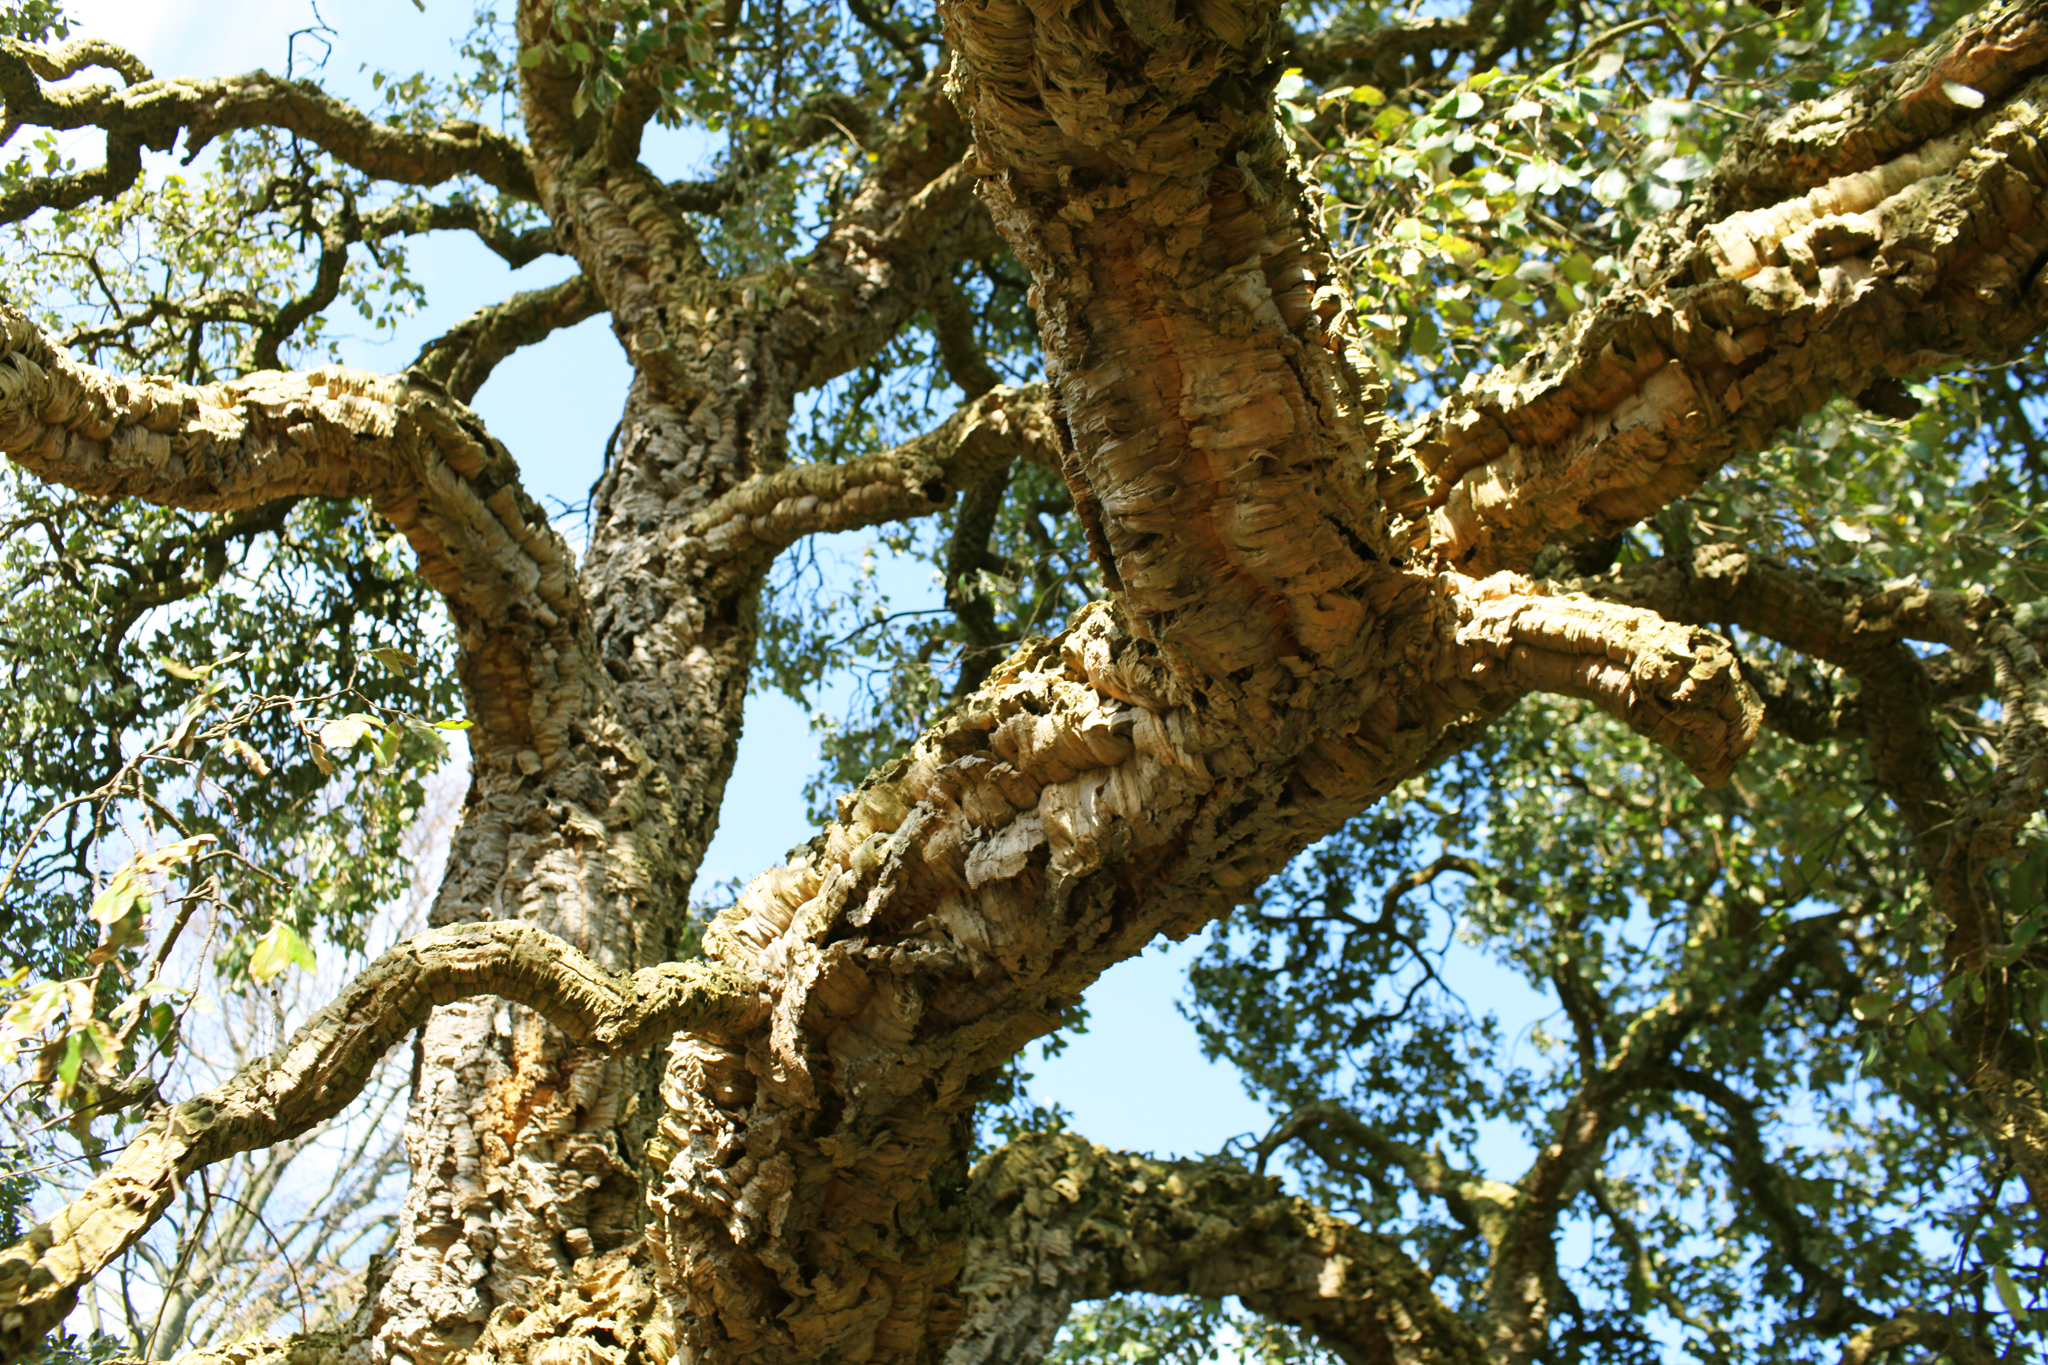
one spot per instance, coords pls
(1480, 1204)
(464, 215)
(152, 114)
(463, 357)
(326, 1064)
(770, 512)
(1674, 684)
(1057, 1220)
(1726, 328)
(423, 461)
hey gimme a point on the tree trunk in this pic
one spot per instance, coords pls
(1304, 613)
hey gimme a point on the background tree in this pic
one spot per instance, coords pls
(1523, 480)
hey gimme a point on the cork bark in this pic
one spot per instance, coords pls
(1306, 609)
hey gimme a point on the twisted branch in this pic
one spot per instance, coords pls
(326, 1064)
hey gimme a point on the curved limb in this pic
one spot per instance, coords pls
(1057, 1220)
(154, 113)
(1918, 245)
(326, 1064)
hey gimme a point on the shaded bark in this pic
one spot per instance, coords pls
(1057, 1220)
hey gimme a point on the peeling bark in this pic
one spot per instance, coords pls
(538, 1149)
(1304, 616)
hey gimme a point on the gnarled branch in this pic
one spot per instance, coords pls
(1677, 685)
(771, 512)
(152, 114)
(423, 461)
(1726, 328)
(326, 1064)
(463, 357)
(1057, 1220)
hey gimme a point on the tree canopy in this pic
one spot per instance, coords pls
(1532, 509)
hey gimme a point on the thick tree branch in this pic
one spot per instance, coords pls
(1727, 328)
(1057, 1220)
(1903, 105)
(424, 462)
(152, 114)
(326, 1064)
(1674, 684)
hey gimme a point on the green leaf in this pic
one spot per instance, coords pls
(123, 893)
(2009, 1293)
(397, 660)
(32, 1013)
(347, 731)
(67, 1066)
(1424, 339)
(278, 949)
(1369, 95)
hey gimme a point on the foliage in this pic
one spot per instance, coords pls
(222, 723)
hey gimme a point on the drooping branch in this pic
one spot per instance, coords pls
(1725, 328)
(770, 512)
(154, 113)
(1862, 627)
(514, 247)
(1056, 1220)
(326, 1063)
